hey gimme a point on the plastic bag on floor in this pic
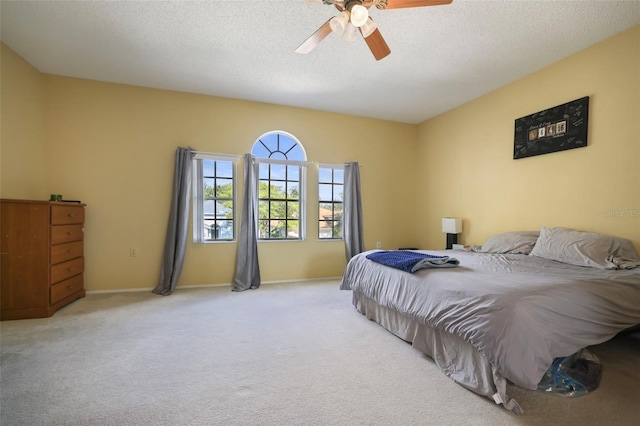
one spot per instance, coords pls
(572, 376)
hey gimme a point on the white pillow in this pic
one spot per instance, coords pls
(582, 248)
(519, 242)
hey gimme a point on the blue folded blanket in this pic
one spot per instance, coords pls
(410, 261)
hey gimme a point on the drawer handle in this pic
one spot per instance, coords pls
(70, 232)
(70, 251)
(70, 268)
(70, 287)
(71, 215)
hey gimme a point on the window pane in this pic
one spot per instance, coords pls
(338, 176)
(296, 154)
(324, 175)
(293, 229)
(293, 210)
(264, 189)
(326, 211)
(278, 210)
(263, 171)
(293, 173)
(263, 209)
(224, 188)
(222, 211)
(338, 192)
(337, 230)
(263, 229)
(208, 168)
(285, 144)
(270, 141)
(278, 190)
(226, 209)
(212, 232)
(260, 151)
(208, 192)
(225, 229)
(293, 190)
(224, 169)
(209, 230)
(325, 192)
(277, 229)
(337, 211)
(278, 171)
(325, 232)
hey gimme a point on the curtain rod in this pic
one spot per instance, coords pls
(273, 160)
(215, 154)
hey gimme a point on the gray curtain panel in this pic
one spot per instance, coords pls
(247, 267)
(353, 238)
(176, 239)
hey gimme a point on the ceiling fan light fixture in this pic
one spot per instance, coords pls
(339, 23)
(359, 15)
(349, 32)
(368, 28)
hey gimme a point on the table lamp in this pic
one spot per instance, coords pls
(452, 226)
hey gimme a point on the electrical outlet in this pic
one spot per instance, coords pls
(378, 245)
(133, 252)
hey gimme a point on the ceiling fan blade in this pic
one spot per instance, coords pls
(398, 4)
(377, 45)
(309, 44)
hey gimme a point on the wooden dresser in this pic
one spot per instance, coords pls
(42, 257)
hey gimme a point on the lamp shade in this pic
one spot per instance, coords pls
(339, 23)
(359, 15)
(350, 32)
(452, 225)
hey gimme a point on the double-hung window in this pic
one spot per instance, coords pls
(330, 202)
(281, 182)
(214, 198)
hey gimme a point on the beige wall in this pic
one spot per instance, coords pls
(112, 146)
(467, 154)
(23, 163)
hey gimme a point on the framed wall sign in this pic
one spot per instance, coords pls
(555, 129)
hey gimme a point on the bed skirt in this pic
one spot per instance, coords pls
(456, 357)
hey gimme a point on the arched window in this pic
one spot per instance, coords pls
(279, 146)
(282, 169)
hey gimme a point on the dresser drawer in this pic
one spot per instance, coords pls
(66, 233)
(65, 270)
(66, 288)
(64, 215)
(63, 252)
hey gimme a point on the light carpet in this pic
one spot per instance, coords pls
(284, 354)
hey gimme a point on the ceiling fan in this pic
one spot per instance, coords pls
(354, 17)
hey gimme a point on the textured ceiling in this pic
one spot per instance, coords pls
(441, 56)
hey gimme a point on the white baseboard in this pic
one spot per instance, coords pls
(180, 287)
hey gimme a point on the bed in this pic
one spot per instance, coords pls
(509, 307)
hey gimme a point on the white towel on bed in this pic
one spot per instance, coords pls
(436, 262)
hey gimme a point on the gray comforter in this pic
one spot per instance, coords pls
(518, 311)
